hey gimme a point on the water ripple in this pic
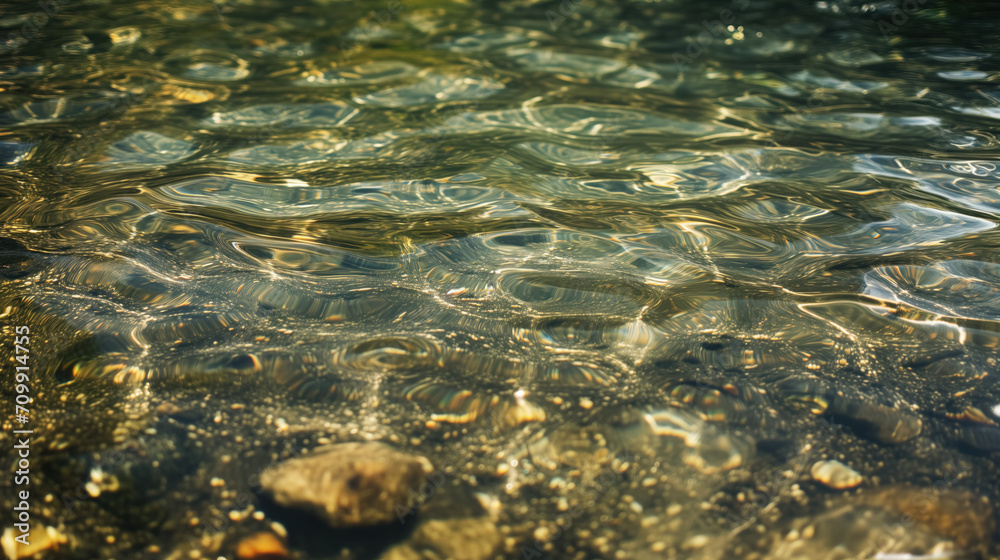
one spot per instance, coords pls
(643, 279)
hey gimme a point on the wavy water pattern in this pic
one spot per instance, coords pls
(643, 263)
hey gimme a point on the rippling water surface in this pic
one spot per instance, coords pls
(631, 274)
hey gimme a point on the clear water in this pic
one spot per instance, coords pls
(624, 271)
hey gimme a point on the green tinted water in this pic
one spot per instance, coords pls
(627, 273)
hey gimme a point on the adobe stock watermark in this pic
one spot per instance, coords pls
(360, 36)
(566, 9)
(419, 496)
(103, 470)
(814, 102)
(777, 488)
(406, 168)
(713, 30)
(220, 4)
(607, 139)
(264, 134)
(220, 520)
(82, 147)
(603, 481)
(900, 17)
(920, 505)
(34, 23)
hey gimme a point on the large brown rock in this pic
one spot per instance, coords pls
(349, 484)
(471, 538)
(964, 516)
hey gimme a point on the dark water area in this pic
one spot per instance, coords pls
(432, 279)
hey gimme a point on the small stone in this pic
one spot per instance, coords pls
(261, 546)
(695, 542)
(279, 529)
(350, 484)
(542, 534)
(490, 503)
(168, 409)
(836, 475)
(40, 541)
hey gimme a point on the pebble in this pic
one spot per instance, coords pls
(349, 484)
(542, 534)
(261, 546)
(40, 541)
(836, 475)
(695, 542)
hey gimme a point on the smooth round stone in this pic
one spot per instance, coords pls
(349, 484)
(836, 475)
(261, 546)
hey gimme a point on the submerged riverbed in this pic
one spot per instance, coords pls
(593, 279)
